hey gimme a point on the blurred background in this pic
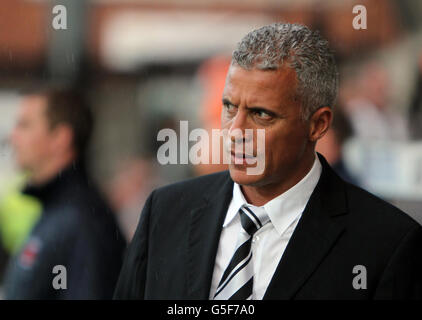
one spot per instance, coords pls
(144, 65)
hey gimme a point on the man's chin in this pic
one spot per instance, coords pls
(240, 175)
(23, 167)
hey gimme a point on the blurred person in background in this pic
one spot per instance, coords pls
(132, 182)
(18, 214)
(77, 229)
(331, 145)
(369, 111)
(415, 119)
(212, 74)
(4, 258)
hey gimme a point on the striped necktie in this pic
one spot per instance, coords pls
(237, 280)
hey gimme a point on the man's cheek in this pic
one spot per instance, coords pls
(260, 154)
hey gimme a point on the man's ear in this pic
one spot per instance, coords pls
(319, 123)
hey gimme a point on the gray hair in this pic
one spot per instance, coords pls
(303, 50)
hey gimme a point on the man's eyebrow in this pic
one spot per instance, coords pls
(227, 101)
(254, 108)
(258, 108)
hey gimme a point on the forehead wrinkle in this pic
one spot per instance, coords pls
(257, 87)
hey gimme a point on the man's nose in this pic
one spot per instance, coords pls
(237, 129)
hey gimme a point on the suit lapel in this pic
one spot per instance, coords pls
(206, 223)
(321, 225)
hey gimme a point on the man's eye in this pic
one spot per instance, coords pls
(263, 114)
(229, 107)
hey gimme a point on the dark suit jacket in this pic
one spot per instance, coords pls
(174, 248)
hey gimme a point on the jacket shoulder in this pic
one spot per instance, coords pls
(193, 187)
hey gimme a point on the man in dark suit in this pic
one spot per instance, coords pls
(295, 230)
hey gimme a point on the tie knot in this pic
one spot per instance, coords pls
(252, 218)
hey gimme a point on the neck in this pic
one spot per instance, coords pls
(260, 195)
(50, 170)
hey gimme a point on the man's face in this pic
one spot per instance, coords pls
(31, 137)
(257, 99)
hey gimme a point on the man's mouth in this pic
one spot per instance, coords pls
(241, 155)
(241, 158)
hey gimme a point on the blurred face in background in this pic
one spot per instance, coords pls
(375, 84)
(32, 138)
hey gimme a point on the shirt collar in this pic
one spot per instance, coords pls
(238, 201)
(285, 208)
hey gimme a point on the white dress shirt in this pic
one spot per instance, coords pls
(269, 242)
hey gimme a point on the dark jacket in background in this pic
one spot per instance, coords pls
(76, 230)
